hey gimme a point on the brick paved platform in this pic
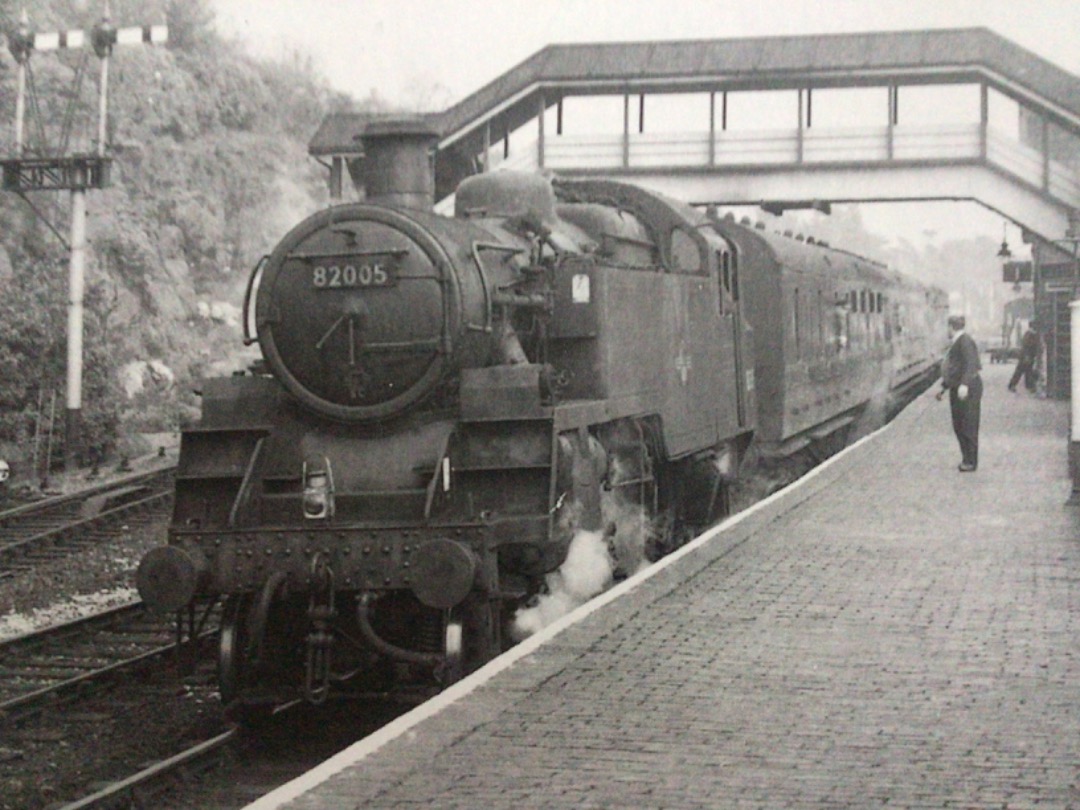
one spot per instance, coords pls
(889, 632)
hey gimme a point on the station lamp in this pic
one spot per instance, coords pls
(1003, 252)
(1010, 272)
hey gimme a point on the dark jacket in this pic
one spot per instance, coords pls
(1029, 346)
(961, 365)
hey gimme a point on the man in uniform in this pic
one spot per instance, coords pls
(960, 377)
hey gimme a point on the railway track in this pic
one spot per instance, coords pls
(234, 768)
(155, 782)
(60, 687)
(66, 662)
(91, 701)
(40, 532)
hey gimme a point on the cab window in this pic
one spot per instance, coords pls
(685, 256)
(728, 281)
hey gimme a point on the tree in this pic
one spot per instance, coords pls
(209, 170)
(33, 358)
(191, 24)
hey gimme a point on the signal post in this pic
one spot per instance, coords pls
(52, 170)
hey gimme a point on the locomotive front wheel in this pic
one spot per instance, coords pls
(233, 664)
(473, 636)
(235, 673)
(452, 669)
(237, 666)
(485, 616)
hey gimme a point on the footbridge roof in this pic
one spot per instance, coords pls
(1033, 180)
(931, 56)
(873, 58)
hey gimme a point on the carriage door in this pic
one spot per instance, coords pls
(728, 268)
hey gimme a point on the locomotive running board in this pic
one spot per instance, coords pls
(801, 441)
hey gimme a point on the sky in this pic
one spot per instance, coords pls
(450, 48)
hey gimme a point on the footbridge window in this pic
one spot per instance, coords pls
(589, 115)
(847, 107)
(669, 113)
(939, 104)
(759, 110)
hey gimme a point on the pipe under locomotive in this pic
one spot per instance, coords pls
(444, 404)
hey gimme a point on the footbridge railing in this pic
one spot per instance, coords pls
(818, 149)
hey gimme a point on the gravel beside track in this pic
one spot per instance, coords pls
(68, 753)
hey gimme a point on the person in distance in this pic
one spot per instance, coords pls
(1030, 348)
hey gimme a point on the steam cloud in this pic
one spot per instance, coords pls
(587, 571)
(594, 560)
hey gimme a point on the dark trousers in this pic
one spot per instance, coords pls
(965, 420)
(1025, 369)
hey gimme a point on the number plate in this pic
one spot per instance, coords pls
(338, 274)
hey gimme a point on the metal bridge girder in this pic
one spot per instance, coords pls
(975, 181)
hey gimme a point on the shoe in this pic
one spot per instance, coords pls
(967, 468)
(1012, 389)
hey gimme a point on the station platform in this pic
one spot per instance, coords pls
(885, 632)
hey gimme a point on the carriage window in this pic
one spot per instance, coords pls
(840, 330)
(795, 330)
(685, 256)
(820, 315)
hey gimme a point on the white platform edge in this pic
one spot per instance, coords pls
(356, 752)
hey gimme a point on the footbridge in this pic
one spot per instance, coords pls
(782, 122)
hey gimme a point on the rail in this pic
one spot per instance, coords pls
(28, 672)
(67, 518)
(136, 789)
(7, 516)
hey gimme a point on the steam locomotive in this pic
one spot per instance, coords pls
(446, 403)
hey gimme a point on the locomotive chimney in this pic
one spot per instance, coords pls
(399, 163)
